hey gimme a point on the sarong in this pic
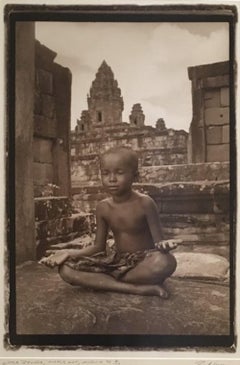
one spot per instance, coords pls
(115, 264)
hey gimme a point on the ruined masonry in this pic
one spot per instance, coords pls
(101, 127)
(209, 130)
(192, 198)
(55, 220)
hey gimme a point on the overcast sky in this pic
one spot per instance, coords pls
(149, 61)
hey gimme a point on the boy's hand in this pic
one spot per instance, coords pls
(168, 245)
(55, 259)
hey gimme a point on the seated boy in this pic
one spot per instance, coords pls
(141, 262)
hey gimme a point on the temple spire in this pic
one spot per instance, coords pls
(105, 103)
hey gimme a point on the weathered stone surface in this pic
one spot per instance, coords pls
(62, 226)
(218, 152)
(213, 69)
(198, 265)
(85, 171)
(48, 106)
(51, 208)
(62, 85)
(225, 134)
(52, 119)
(45, 81)
(186, 172)
(224, 96)
(217, 116)
(198, 136)
(43, 173)
(44, 57)
(45, 127)
(210, 231)
(44, 244)
(194, 308)
(214, 135)
(82, 171)
(221, 238)
(212, 98)
(42, 150)
(217, 249)
(214, 82)
(219, 221)
(37, 103)
(198, 197)
(60, 231)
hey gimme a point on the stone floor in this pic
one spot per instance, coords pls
(47, 305)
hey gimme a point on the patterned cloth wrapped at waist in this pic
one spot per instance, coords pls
(115, 264)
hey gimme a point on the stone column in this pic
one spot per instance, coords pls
(61, 147)
(24, 101)
(209, 131)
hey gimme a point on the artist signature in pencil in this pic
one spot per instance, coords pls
(207, 362)
(62, 362)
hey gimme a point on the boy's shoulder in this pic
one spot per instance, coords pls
(144, 198)
(103, 204)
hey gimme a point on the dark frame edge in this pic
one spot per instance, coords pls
(13, 340)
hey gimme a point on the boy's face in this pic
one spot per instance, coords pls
(117, 174)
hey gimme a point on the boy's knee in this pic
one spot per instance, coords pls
(63, 271)
(164, 264)
(172, 263)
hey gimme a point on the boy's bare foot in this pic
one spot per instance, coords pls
(168, 245)
(55, 259)
(162, 293)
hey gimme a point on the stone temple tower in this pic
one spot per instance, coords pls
(137, 117)
(105, 103)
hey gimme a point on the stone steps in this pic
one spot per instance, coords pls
(212, 171)
(206, 233)
(55, 222)
(195, 172)
(62, 230)
(200, 220)
(212, 248)
(52, 207)
(80, 223)
(203, 238)
(200, 197)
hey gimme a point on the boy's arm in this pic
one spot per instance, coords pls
(153, 220)
(155, 227)
(101, 236)
(100, 243)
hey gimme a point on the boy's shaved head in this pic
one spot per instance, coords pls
(127, 153)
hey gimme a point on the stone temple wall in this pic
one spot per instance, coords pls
(192, 199)
(191, 189)
(51, 149)
(55, 220)
(209, 131)
(100, 128)
(154, 148)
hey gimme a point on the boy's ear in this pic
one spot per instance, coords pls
(136, 176)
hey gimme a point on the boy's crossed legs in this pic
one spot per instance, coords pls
(145, 279)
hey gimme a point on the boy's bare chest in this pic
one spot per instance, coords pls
(126, 217)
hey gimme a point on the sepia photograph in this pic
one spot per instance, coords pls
(121, 176)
